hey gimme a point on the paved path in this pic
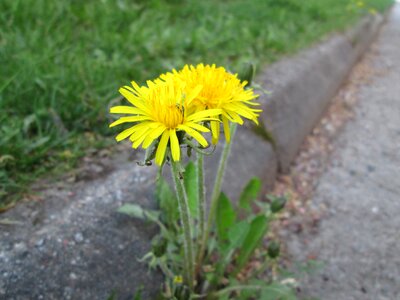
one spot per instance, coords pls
(359, 239)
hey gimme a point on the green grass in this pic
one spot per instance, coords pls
(61, 62)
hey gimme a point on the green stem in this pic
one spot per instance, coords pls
(202, 198)
(186, 224)
(215, 194)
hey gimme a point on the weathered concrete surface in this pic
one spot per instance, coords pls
(359, 239)
(250, 156)
(73, 245)
(302, 86)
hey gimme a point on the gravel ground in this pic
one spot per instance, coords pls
(358, 197)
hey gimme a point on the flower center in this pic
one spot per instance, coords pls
(173, 116)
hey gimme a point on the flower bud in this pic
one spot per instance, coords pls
(159, 246)
(182, 292)
(274, 249)
(278, 204)
(247, 73)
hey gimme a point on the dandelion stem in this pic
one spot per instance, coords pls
(202, 198)
(186, 224)
(215, 194)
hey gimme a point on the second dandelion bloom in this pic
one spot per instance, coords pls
(220, 90)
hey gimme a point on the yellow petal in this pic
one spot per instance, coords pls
(154, 134)
(193, 94)
(126, 110)
(215, 130)
(129, 119)
(227, 130)
(135, 86)
(141, 129)
(241, 110)
(139, 137)
(175, 149)
(124, 134)
(162, 146)
(193, 133)
(136, 101)
(204, 114)
(233, 117)
(198, 127)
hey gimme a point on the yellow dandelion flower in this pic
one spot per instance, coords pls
(221, 90)
(159, 112)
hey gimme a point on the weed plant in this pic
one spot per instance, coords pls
(62, 61)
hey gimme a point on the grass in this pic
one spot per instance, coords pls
(63, 61)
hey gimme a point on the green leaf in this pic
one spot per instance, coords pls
(36, 144)
(225, 217)
(258, 228)
(250, 193)
(277, 291)
(190, 179)
(237, 233)
(137, 211)
(132, 210)
(138, 294)
(112, 295)
(167, 201)
(260, 290)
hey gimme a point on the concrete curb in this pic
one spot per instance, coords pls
(302, 87)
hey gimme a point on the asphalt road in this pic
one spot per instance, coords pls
(358, 240)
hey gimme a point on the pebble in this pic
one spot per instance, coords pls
(353, 173)
(375, 210)
(20, 247)
(78, 237)
(39, 242)
(68, 292)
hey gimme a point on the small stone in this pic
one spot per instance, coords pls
(73, 276)
(20, 247)
(371, 168)
(68, 292)
(39, 242)
(353, 173)
(375, 210)
(78, 237)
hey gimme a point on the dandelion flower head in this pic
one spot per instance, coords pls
(221, 90)
(159, 112)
